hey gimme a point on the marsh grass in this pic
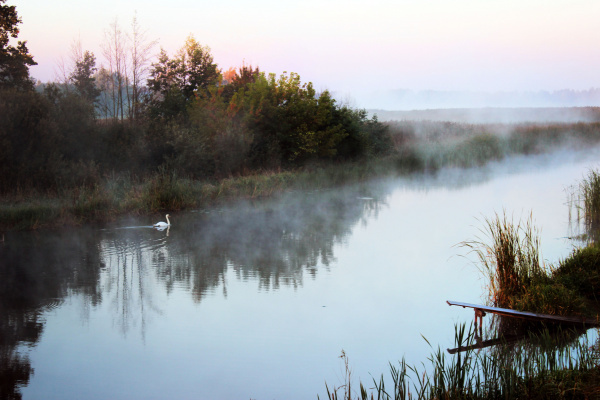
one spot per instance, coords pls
(166, 190)
(29, 215)
(589, 191)
(547, 365)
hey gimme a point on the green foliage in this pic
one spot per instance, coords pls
(551, 296)
(122, 147)
(235, 81)
(29, 215)
(291, 124)
(14, 60)
(175, 81)
(28, 144)
(83, 78)
(581, 271)
(225, 140)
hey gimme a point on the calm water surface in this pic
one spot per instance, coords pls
(258, 300)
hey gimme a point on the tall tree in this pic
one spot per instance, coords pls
(14, 60)
(174, 82)
(83, 78)
(197, 69)
(115, 52)
(237, 80)
(140, 54)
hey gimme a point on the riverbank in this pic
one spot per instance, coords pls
(165, 191)
(417, 147)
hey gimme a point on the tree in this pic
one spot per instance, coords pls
(290, 123)
(196, 68)
(236, 81)
(174, 82)
(115, 52)
(14, 61)
(140, 54)
(83, 78)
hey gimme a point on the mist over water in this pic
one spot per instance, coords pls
(257, 299)
(435, 99)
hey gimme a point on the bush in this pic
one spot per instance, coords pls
(581, 271)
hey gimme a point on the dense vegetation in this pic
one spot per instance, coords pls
(191, 119)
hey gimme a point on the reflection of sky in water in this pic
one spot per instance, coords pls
(240, 303)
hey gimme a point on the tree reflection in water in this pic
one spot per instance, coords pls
(273, 242)
(36, 273)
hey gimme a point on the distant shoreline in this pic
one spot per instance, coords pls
(493, 115)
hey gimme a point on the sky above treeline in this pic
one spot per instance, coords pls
(352, 48)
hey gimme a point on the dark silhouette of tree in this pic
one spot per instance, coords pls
(14, 60)
(175, 81)
(83, 78)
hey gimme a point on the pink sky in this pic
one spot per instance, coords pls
(351, 47)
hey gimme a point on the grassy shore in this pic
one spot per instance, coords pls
(165, 191)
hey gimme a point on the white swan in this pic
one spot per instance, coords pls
(163, 224)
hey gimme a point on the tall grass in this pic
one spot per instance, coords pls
(589, 190)
(509, 256)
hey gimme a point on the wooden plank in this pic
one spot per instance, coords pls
(526, 315)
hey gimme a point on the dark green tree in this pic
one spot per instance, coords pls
(236, 81)
(83, 78)
(14, 60)
(174, 82)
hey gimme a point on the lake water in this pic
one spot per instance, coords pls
(257, 300)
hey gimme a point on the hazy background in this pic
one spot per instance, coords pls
(370, 53)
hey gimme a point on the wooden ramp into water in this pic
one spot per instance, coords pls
(480, 312)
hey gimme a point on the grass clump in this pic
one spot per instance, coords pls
(166, 191)
(519, 279)
(512, 261)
